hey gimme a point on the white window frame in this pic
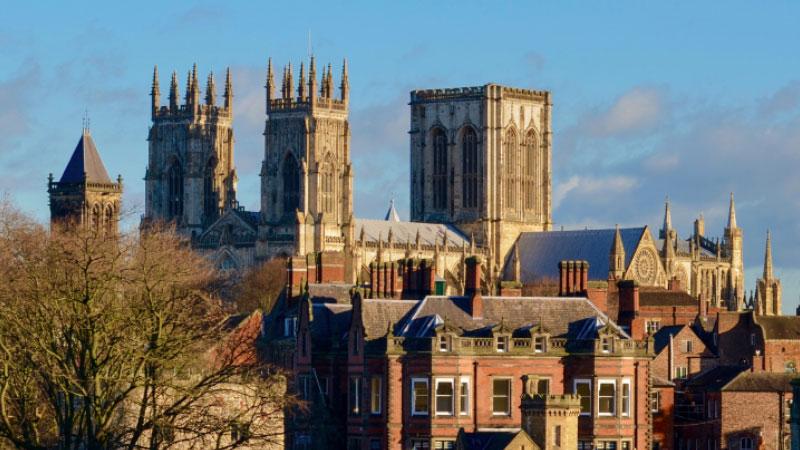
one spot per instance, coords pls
(464, 400)
(375, 396)
(438, 444)
(502, 344)
(614, 396)
(681, 372)
(625, 408)
(651, 327)
(688, 346)
(436, 383)
(354, 396)
(539, 344)
(444, 343)
(588, 382)
(289, 326)
(655, 402)
(414, 382)
(510, 396)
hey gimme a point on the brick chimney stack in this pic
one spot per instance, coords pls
(472, 285)
(628, 296)
(573, 278)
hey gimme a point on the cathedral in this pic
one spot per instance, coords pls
(480, 185)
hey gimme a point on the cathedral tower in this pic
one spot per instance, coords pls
(190, 174)
(480, 159)
(306, 175)
(85, 195)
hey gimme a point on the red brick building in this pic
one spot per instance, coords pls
(400, 374)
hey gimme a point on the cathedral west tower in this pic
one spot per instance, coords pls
(481, 159)
(306, 175)
(190, 175)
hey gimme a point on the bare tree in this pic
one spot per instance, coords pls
(119, 342)
(260, 286)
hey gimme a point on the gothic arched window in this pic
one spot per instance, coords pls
(175, 191)
(97, 217)
(327, 180)
(108, 220)
(511, 169)
(291, 184)
(439, 139)
(469, 160)
(210, 193)
(530, 172)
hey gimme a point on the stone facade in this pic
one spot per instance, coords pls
(481, 159)
(190, 174)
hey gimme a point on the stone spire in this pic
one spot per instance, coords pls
(312, 80)
(329, 82)
(211, 90)
(195, 86)
(616, 259)
(155, 92)
(289, 82)
(768, 258)
(667, 226)
(732, 214)
(345, 86)
(173, 92)
(228, 90)
(270, 86)
(301, 85)
(187, 98)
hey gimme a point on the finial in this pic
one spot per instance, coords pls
(155, 92)
(345, 85)
(211, 90)
(301, 84)
(732, 214)
(289, 81)
(768, 258)
(228, 89)
(85, 121)
(173, 92)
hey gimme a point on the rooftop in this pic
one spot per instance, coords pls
(85, 164)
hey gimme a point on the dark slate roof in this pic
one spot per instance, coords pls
(779, 327)
(761, 382)
(575, 318)
(716, 378)
(650, 296)
(661, 338)
(488, 440)
(378, 314)
(85, 160)
(329, 324)
(251, 217)
(540, 252)
(406, 232)
(330, 293)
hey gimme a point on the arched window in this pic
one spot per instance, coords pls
(210, 194)
(511, 169)
(530, 173)
(291, 184)
(439, 139)
(175, 191)
(327, 179)
(469, 163)
(97, 217)
(109, 219)
(746, 443)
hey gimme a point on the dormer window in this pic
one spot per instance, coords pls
(444, 343)
(289, 327)
(502, 344)
(605, 345)
(539, 344)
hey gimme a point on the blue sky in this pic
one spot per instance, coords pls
(687, 99)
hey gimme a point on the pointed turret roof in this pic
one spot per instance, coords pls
(391, 214)
(667, 226)
(85, 161)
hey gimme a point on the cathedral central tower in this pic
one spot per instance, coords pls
(306, 176)
(480, 159)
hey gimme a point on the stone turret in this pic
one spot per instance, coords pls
(616, 257)
(733, 249)
(551, 420)
(768, 288)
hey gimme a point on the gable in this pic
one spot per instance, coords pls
(232, 229)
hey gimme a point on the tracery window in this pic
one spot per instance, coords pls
(511, 169)
(291, 184)
(327, 180)
(97, 217)
(439, 139)
(108, 220)
(469, 159)
(175, 190)
(210, 194)
(530, 172)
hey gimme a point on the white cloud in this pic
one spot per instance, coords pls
(638, 110)
(602, 189)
